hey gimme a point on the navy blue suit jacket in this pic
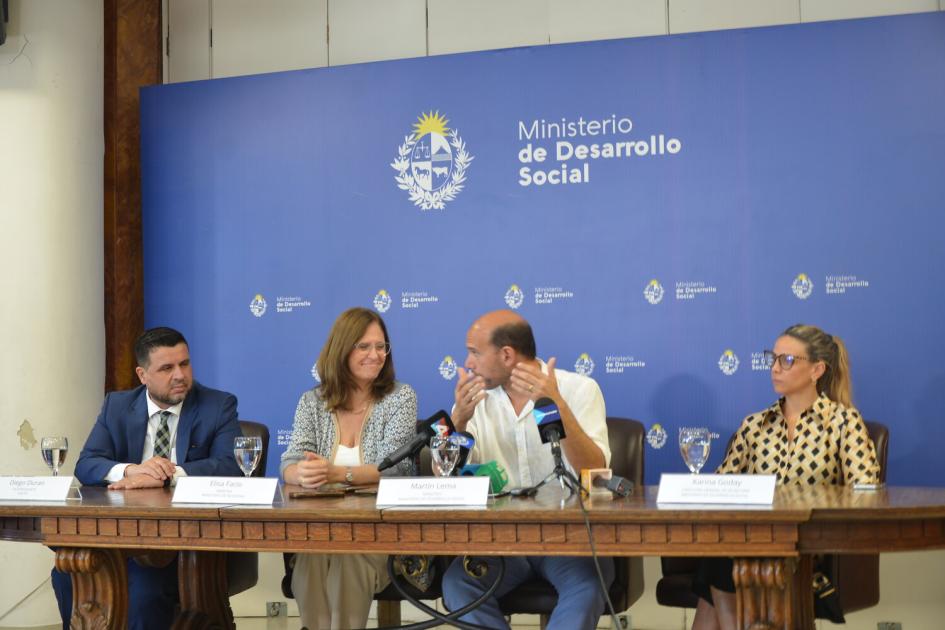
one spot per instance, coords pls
(205, 431)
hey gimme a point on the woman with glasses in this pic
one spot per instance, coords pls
(812, 435)
(343, 428)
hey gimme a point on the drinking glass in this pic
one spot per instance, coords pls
(695, 444)
(445, 453)
(54, 451)
(247, 451)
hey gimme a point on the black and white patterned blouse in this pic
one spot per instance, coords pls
(391, 423)
(831, 446)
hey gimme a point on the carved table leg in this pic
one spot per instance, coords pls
(204, 603)
(99, 587)
(767, 594)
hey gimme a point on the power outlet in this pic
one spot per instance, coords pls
(277, 609)
(889, 625)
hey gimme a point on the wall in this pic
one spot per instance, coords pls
(51, 220)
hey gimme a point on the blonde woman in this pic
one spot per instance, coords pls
(812, 435)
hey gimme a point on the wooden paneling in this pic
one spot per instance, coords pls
(132, 59)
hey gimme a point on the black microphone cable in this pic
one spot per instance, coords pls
(600, 575)
(451, 619)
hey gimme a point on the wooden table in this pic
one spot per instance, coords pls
(771, 546)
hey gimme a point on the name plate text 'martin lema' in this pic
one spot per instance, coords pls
(433, 491)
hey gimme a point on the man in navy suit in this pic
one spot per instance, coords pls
(148, 437)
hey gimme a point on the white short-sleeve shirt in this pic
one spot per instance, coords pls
(513, 440)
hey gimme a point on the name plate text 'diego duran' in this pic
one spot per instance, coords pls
(238, 490)
(34, 488)
(716, 489)
(433, 491)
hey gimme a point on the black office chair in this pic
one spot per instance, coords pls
(626, 459)
(856, 576)
(242, 568)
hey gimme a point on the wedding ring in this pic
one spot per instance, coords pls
(531, 388)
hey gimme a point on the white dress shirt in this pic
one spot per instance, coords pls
(513, 440)
(154, 422)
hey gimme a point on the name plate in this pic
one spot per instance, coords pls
(248, 490)
(433, 491)
(716, 489)
(35, 488)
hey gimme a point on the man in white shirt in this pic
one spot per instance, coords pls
(494, 399)
(168, 427)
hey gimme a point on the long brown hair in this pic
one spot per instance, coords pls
(835, 381)
(337, 380)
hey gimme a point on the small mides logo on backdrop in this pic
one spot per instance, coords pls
(840, 284)
(802, 286)
(416, 299)
(654, 292)
(258, 306)
(728, 363)
(283, 437)
(318, 379)
(431, 163)
(689, 290)
(382, 301)
(656, 436)
(514, 297)
(447, 368)
(584, 364)
(550, 295)
(758, 362)
(617, 364)
(291, 303)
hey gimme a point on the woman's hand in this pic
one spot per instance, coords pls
(313, 470)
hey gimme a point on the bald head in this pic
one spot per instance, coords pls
(507, 328)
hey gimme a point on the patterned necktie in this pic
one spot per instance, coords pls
(162, 440)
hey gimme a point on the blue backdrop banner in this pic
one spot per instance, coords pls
(658, 208)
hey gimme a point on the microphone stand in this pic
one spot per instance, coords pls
(565, 477)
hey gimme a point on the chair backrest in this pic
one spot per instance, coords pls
(251, 428)
(626, 449)
(879, 433)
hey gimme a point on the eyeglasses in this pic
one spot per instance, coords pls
(786, 361)
(382, 347)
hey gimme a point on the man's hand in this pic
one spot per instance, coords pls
(313, 470)
(528, 379)
(135, 482)
(470, 389)
(158, 468)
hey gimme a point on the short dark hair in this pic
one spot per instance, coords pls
(161, 337)
(516, 335)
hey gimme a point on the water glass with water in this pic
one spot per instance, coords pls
(247, 451)
(694, 445)
(54, 451)
(445, 453)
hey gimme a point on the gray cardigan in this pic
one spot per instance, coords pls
(391, 424)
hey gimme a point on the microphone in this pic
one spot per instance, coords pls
(549, 422)
(466, 443)
(437, 424)
(551, 430)
(618, 485)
